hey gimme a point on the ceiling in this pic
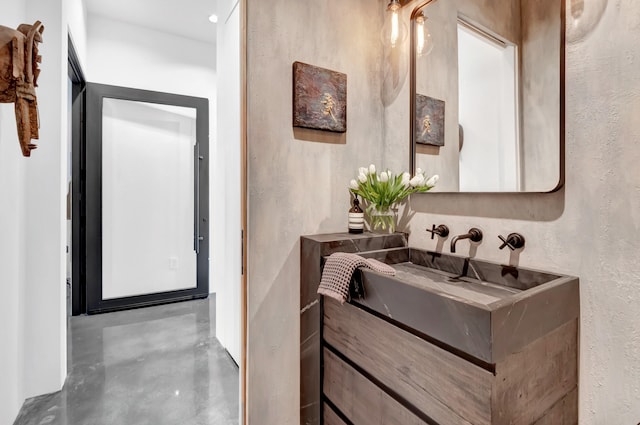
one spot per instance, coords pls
(186, 18)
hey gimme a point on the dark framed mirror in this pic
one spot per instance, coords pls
(487, 94)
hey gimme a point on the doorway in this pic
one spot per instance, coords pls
(488, 82)
(144, 187)
(76, 271)
(133, 49)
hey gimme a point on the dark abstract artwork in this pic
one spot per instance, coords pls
(319, 98)
(428, 124)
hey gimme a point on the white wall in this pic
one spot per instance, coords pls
(126, 55)
(226, 260)
(32, 224)
(34, 214)
(12, 279)
(33, 193)
(77, 26)
(44, 214)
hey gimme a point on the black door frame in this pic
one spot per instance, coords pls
(78, 296)
(91, 193)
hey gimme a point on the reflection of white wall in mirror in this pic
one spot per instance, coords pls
(487, 113)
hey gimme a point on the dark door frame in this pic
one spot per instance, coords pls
(78, 271)
(92, 196)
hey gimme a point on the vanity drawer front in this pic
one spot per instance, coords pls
(330, 417)
(445, 387)
(359, 399)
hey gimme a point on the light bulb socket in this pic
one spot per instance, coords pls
(393, 6)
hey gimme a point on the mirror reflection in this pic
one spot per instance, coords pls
(486, 94)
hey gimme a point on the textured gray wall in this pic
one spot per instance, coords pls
(591, 227)
(298, 178)
(297, 186)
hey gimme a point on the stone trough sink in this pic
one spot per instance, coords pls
(479, 310)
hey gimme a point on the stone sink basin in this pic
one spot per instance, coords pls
(480, 310)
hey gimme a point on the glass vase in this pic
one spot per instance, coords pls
(383, 219)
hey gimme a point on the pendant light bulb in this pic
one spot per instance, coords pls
(394, 31)
(424, 42)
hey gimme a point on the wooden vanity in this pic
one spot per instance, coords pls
(377, 372)
(449, 340)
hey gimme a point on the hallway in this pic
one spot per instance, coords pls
(158, 365)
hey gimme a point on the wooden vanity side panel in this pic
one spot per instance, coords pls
(565, 412)
(531, 382)
(361, 401)
(445, 387)
(312, 249)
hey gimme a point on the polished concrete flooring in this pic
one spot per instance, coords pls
(152, 366)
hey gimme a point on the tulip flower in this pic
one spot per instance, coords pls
(417, 180)
(433, 180)
(405, 179)
(382, 193)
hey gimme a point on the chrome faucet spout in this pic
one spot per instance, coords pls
(474, 234)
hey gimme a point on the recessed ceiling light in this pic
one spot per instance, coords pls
(213, 18)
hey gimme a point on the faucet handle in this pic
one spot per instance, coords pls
(475, 234)
(513, 241)
(442, 231)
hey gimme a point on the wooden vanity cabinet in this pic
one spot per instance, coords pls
(375, 371)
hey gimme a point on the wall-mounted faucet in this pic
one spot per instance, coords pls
(513, 241)
(475, 235)
(442, 231)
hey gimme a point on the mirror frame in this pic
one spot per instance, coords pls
(412, 99)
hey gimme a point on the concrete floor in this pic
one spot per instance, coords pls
(158, 365)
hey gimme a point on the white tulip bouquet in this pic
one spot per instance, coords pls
(383, 191)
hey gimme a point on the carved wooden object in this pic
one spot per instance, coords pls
(19, 72)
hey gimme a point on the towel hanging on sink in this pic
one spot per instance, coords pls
(338, 270)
